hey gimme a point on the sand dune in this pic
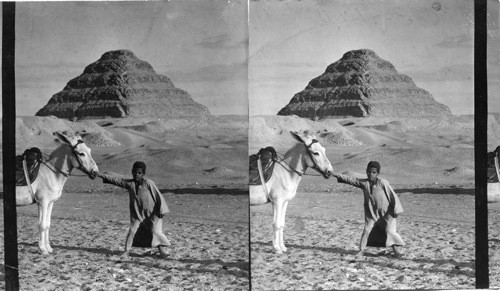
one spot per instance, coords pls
(416, 150)
(340, 139)
(173, 148)
(37, 131)
(273, 130)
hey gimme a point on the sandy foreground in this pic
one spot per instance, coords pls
(322, 231)
(494, 243)
(208, 231)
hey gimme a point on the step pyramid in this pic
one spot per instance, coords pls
(121, 85)
(361, 84)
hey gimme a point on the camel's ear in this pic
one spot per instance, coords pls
(297, 137)
(61, 137)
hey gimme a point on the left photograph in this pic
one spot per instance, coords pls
(132, 144)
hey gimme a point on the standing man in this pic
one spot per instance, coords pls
(382, 207)
(147, 207)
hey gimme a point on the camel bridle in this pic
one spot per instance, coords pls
(315, 166)
(76, 154)
(309, 150)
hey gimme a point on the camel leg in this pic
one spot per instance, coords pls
(42, 226)
(282, 218)
(277, 224)
(48, 216)
(274, 222)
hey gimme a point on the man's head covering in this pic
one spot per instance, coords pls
(374, 164)
(139, 164)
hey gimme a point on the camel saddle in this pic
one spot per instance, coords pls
(33, 158)
(268, 157)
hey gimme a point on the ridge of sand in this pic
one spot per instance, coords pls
(173, 148)
(409, 149)
(38, 131)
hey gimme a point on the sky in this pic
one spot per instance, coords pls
(292, 42)
(239, 57)
(202, 46)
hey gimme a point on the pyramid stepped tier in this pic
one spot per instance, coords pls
(121, 85)
(362, 84)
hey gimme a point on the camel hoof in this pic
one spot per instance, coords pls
(284, 249)
(45, 252)
(278, 250)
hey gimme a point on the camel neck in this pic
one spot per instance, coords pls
(59, 161)
(294, 158)
(54, 175)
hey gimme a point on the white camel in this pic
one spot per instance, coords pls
(53, 173)
(282, 186)
(493, 188)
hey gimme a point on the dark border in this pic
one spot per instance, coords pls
(480, 141)
(9, 148)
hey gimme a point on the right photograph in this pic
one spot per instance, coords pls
(361, 145)
(493, 137)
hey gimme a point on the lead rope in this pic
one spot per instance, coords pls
(55, 169)
(282, 161)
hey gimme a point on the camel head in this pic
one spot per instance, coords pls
(316, 157)
(81, 158)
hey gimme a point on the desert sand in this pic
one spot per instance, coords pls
(494, 210)
(430, 164)
(494, 244)
(200, 166)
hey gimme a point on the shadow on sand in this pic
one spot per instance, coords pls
(323, 249)
(102, 251)
(448, 190)
(206, 191)
(244, 266)
(435, 268)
